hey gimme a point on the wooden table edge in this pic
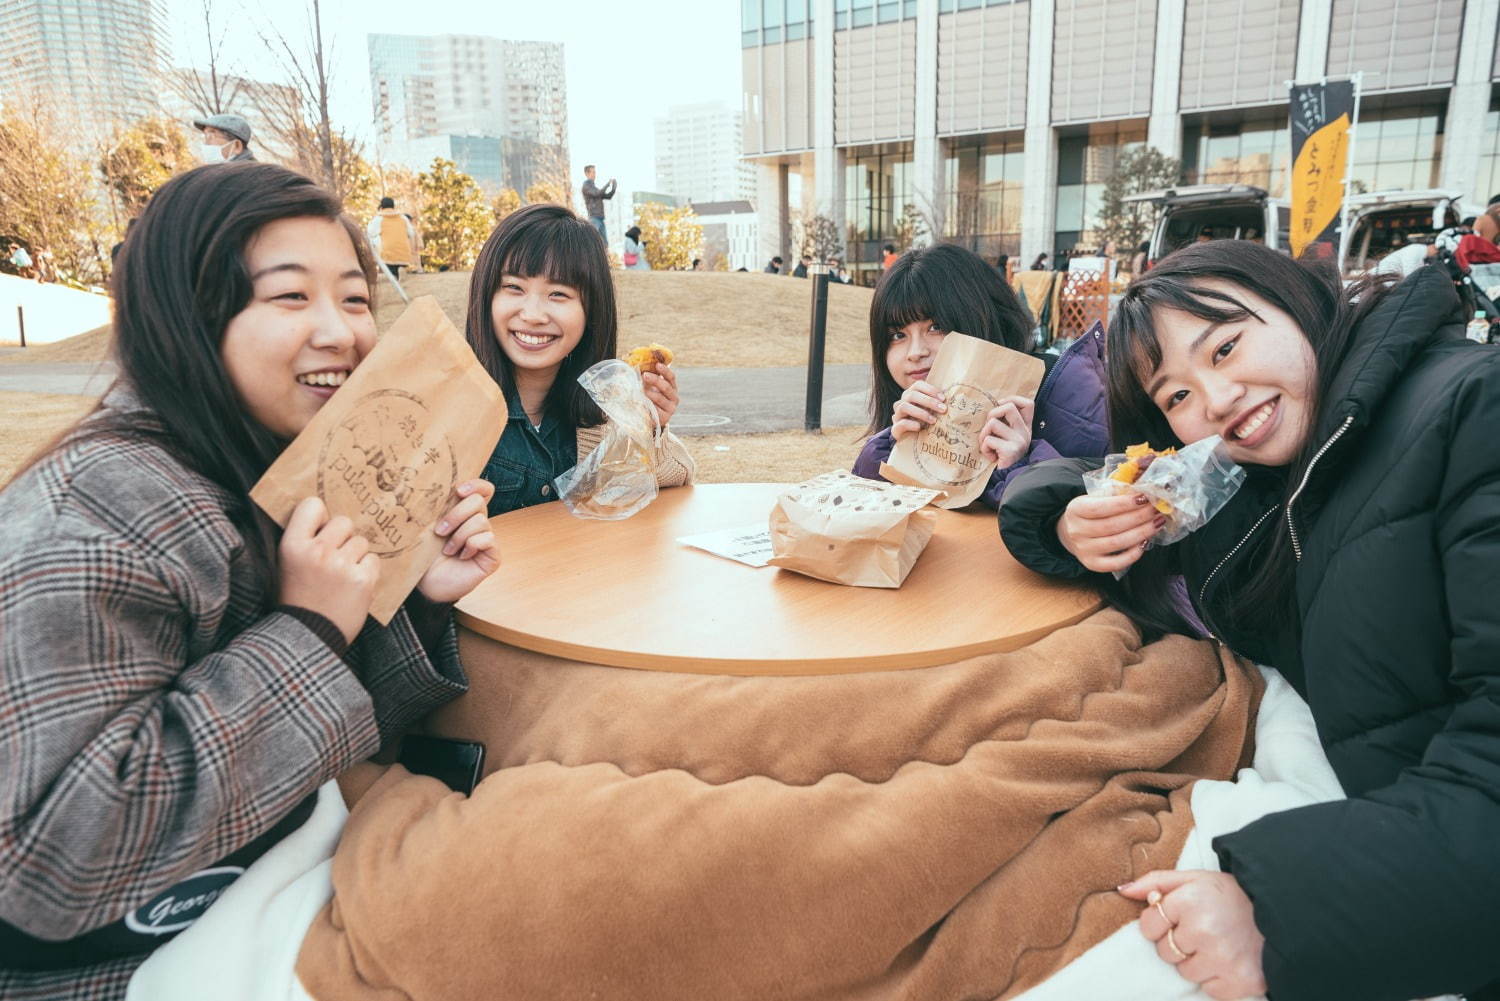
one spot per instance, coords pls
(672, 663)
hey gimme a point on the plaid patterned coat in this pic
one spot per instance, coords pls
(154, 715)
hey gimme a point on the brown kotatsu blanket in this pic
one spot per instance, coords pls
(946, 833)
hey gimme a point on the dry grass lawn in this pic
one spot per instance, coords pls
(30, 420)
(710, 319)
(777, 457)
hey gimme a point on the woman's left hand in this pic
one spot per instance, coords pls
(1006, 437)
(1203, 924)
(660, 383)
(470, 554)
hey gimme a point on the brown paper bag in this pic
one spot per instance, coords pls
(974, 376)
(849, 530)
(417, 417)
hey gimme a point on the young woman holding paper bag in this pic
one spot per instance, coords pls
(180, 677)
(932, 291)
(541, 312)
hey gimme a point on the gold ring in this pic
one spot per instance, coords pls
(1172, 944)
(1157, 905)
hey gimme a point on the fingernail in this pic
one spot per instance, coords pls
(1146, 544)
(1141, 498)
(942, 408)
(442, 528)
(1122, 887)
(464, 488)
(1161, 520)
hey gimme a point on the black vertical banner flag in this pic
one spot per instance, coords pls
(1322, 114)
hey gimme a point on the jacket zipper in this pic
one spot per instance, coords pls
(1202, 591)
(1291, 525)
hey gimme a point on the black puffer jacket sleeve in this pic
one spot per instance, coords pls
(1033, 501)
(1396, 893)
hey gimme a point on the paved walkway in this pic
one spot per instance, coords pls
(715, 400)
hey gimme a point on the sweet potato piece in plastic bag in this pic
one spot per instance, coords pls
(618, 478)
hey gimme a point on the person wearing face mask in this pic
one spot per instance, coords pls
(226, 138)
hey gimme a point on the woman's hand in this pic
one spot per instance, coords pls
(470, 554)
(1108, 534)
(326, 568)
(1006, 437)
(918, 407)
(1203, 924)
(661, 389)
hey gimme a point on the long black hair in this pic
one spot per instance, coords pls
(951, 287)
(180, 278)
(550, 242)
(1326, 311)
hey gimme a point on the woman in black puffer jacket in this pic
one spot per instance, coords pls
(1362, 559)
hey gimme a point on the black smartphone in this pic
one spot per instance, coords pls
(456, 763)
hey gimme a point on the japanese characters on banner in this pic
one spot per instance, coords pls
(1321, 117)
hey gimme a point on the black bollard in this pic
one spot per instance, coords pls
(21, 322)
(817, 336)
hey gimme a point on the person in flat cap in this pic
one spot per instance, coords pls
(225, 138)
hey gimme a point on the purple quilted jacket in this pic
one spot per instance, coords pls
(1069, 419)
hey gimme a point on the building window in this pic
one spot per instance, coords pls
(765, 22)
(877, 189)
(1229, 148)
(1489, 160)
(983, 179)
(1085, 162)
(860, 13)
(1398, 148)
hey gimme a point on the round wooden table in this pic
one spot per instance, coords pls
(627, 594)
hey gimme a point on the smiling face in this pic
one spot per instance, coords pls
(306, 327)
(538, 322)
(911, 349)
(1249, 380)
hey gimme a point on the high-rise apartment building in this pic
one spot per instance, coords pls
(472, 93)
(999, 121)
(96, 63)
(698, 154)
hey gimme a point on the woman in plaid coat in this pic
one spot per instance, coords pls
(177, 676)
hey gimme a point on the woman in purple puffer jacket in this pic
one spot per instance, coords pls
(931, 291)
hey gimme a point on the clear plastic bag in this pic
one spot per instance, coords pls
(1189, 486)
(618, 478)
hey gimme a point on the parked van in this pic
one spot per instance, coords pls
(1383, 221)
(1218, 211)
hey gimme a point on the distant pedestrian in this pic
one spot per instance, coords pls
(773, 267)
(393, 237)
(1002, 265)
(697, 264)
(1040, 264)
(21, 261)
(634, 257)
(594, 198)
(800, 271)
(889, 258)
(226, 138)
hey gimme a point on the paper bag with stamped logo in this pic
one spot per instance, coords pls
(849, 530)
(417, 417)
(974, 376)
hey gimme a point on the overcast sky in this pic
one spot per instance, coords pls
(627, 63)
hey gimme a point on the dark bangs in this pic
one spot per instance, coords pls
(550, 242)
(949, 286)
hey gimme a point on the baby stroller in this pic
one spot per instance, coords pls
(1478, 287)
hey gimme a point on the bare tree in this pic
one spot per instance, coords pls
(216, 92)
(298, 115)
